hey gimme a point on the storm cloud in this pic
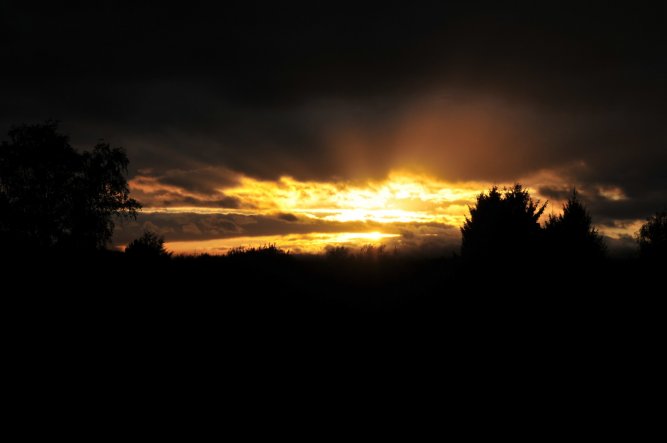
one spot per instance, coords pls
(201, 96)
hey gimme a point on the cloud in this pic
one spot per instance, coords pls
(186, 191)
(288, 217)
(201, 98)
(219, 232)
(203, 180)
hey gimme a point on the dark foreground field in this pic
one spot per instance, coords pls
(262, 332)
(332, 294)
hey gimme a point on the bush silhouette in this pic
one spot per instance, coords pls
(53, 197)
(572, 235)
(266, 252)
(337, 253)
(149, 246)
(502, 225)
(652, 237)
(372, 252)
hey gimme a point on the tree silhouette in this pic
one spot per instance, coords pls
(53, 197)
(265, 252)
(652, 237)
(502, 225)
(572, 235)
(149, 246)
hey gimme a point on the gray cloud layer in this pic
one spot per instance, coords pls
(424, 238)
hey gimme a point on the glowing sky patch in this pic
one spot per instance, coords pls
(402, 197)
(404, 200)
(298, 243)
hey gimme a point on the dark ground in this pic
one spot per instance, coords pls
(332, 295)
(439, 339)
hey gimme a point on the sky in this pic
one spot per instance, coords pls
(334, 123)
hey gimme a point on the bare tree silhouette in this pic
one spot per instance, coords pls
(502, 225)
(53, 197)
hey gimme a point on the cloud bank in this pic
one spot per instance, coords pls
(204, 98)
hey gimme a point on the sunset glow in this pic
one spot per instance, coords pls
(312, 243)
(384, 207)
(406, 208)
(333, 175)
(402, 197)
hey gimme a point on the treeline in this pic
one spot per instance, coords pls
(503, 225)
(54, 199)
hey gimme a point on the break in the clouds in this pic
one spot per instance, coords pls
(337, 93)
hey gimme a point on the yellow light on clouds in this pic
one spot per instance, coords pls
(301, 243)
(402, 197)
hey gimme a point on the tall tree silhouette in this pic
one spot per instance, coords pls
(52, 196)
(502, 225)
(571, 235)
(652, 237)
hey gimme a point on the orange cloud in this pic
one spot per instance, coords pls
(402, 198)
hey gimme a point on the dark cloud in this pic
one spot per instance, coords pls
(288, 217)
(171, 199)
(624, 246)
(427, 239)
(467, 91)
(555, 193)
(612, 205)
(223, 202)
(423, 237)
(203, 180)
(212, 226)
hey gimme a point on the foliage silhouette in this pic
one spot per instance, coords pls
(53, 197)
(652, 237)
(337, 253)
(372, 252)
(149, 246)
(502, 225)
(266, 252)
(571, 235)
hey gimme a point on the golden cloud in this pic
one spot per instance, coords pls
(402, 198)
